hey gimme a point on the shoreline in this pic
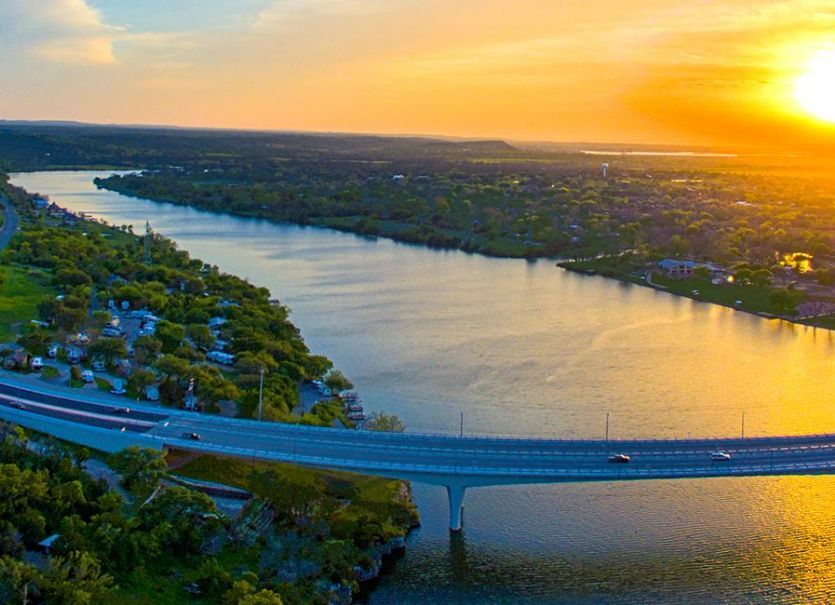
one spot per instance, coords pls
(528, 257)
(568, 266)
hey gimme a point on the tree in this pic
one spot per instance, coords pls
(141, 468)
(140, 379)
(76, 579)
(245, 592)
(761, 278)
(108, 349)
(785, 300)
(336, 381)
(702, 272)
(170, 334)
(101, 317)
(36, 342)
(146, 348)
(75, 375)
(172, 366)
(201, 335)
(380, 421)
(294, 497)
(183, 518)
(17, 581)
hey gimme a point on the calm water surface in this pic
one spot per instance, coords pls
(526, 348)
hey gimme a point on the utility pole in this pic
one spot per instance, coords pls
(743, 425)
(261, 394)
(461, 430)
(607, 426)
(149, 242)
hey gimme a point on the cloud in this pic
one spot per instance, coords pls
(282, 12)
(64, 31)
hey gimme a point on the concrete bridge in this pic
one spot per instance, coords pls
(455, 462)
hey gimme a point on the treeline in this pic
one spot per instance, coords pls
(510, 211)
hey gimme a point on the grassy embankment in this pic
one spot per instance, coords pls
(753, 299)
(366, 494)
(21, 290)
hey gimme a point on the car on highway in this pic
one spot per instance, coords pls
(192, 436)
(88, 376)
(619, 459)
(36, 364)
(720, 456)
(17, 405)
(121, 410)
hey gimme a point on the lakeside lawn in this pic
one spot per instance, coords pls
(753, 298)
(21, 291)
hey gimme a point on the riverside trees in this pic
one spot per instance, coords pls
(186, 295)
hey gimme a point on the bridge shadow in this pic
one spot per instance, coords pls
(459, 566)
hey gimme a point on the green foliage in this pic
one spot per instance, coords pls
(146, 348)
(108, 349)
(200, 335)
(244, 593)
(336, 381)
(76, 579)
(171, 335)
(139, 379)
(20, 295)
(785, 300)
(141, 468)
(183, 519)
(380, 421)
(35, 341)
(292, 498)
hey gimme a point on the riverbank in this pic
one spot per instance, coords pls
(79, 257)
(749, 299)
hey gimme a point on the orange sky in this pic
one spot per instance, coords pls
(674, 71)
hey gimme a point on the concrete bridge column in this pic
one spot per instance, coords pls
(455, 493)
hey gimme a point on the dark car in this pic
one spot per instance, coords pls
(192, 436)
(17, 405)
(619, 458)
(121, 410)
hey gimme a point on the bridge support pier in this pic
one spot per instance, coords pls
(455, 493)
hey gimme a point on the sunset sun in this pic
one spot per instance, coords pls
(815, 88)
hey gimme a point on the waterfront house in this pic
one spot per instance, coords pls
(681, 269)
(677, 269)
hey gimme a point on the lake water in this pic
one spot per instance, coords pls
(529, 349)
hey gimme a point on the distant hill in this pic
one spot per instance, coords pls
(38, 145)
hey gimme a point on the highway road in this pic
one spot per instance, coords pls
(10, 222)
(452, 461)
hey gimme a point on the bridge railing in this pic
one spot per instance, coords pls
(401, 439)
